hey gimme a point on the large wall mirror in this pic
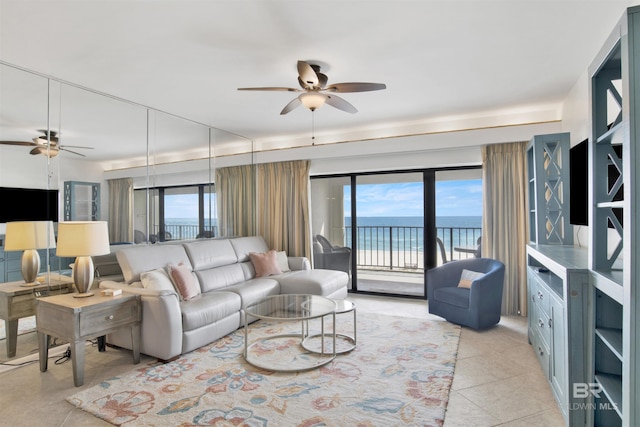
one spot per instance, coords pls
(101, 142)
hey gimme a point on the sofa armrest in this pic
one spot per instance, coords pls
(161, 328)
(299, 263)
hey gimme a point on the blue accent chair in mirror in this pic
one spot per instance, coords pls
(478, 306)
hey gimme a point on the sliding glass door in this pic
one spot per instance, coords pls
(391, 227)
(389, 233)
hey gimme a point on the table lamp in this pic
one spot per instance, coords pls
(83, 239)
(29, 236)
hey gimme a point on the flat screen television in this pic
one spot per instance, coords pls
(28, 204)
(579, 184)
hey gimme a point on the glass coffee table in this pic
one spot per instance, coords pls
(282, 349)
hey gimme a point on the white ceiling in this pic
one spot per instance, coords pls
(437, 58)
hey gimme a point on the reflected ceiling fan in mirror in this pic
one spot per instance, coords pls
(47, 146)
(316, 93)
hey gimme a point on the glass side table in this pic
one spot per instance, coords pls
(344, 343)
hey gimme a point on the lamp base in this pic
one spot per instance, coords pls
(29, 285)
(83, 294)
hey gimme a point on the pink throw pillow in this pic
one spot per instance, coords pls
(184, 281)
(265, 263)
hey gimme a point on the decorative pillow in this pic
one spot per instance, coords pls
(265, 263)
(184, 281)
(156, 280)
(468, 277)
(283, 261)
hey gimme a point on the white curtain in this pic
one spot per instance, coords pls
(120, 210)
(505, 219)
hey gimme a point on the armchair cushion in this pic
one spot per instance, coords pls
(457, 296)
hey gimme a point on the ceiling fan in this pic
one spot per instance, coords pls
(45, 146)
(316, 93)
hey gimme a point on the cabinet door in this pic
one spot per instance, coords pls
(558, 372)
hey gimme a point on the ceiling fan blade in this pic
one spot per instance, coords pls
(73, 152)
(64, 147)
(287, 89)
(26, 144)
(307, 75)
(355, 87)
(295, 102)
(340, 104)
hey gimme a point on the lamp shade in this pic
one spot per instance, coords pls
(25, 235)
(82, 238)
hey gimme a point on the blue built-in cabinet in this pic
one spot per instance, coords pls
(558, 301)
(584, 304)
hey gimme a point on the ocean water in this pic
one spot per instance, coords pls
(407, 233)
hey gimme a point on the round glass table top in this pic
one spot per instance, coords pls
(291, 307)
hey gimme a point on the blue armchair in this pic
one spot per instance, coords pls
(477, 307)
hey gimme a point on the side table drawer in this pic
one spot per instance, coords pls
(102, 319)
(22, 306)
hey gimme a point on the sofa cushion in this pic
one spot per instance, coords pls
(255, 289)
(208, 308)
(265, 263)
(453, 295)
(156, 280)
(245, 245)
(283, 261)
(184, 281)
(215, 279)
(316, 282)
(137, 259)
(210, 253)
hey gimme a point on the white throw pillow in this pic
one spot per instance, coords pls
(157, 280)
(467, 278)
(283, 261)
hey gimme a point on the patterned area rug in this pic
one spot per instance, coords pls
(25, 325)
(400, 373)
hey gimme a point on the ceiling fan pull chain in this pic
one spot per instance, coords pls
(313, 128)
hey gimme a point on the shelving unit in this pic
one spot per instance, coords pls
(548, 168)
(558, 291)
(81, 201)
(613, 259)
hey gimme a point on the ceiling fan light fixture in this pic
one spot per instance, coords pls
(40, 140)
(313, 100)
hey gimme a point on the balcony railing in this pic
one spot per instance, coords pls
(185, 231)
(402, 248)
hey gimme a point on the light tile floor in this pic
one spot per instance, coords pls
(497, 380)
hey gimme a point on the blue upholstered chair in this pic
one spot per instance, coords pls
(477, 307)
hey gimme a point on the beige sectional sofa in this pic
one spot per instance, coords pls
(227, 282)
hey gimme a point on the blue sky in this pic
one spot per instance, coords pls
(453, 198)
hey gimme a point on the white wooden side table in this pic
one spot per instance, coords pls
(80, 319)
